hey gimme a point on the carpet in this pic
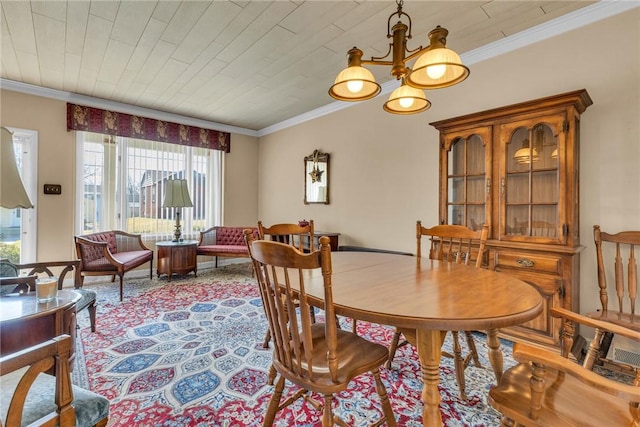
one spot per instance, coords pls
(189, 353)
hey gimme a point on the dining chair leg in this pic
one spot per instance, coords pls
(274, 403)
(393, 346)
(384, 399)
(272, 375)
(459, 365)
(327, 411)
(473, 351)
(267, 338)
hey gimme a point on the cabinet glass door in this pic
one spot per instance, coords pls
(466, 180)
(530, 184)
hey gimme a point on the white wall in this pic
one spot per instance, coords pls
(384, 168)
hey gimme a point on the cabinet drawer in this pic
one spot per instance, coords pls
(528, 262)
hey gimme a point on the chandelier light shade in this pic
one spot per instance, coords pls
(12, 192)
(354, 83)
(176, 195)
(436, 67)
(406, 100)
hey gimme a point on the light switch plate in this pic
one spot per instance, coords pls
(52, 189)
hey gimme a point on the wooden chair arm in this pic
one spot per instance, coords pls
(40, 358)
(526, 353)
(595, 323)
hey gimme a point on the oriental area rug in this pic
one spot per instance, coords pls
(189, 353)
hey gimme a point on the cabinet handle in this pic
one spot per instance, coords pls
(488, 185)
(525, 262)
(502, 185)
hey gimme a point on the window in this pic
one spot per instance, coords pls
(121, 185)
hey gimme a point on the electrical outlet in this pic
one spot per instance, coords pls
(52, 189)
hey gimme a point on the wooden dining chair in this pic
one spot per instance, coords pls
(550, 389)
(621, 272)
(317, 357)
(459, 244)
(291, 234)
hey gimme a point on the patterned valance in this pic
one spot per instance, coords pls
(113, 123)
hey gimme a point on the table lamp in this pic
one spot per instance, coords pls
(176, 195)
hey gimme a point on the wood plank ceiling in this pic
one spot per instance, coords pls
(249, 64)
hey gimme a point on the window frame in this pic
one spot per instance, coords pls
(117, 215)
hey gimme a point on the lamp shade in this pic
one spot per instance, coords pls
(176, 194)
(437, 68)
(526, 155)
(354, 83)
(407, 100)
(12, 192)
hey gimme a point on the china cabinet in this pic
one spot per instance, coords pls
(515, 168)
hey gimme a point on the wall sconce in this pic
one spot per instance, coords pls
(12, 192)
(176, 195)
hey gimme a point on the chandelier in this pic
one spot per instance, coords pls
(436, 67)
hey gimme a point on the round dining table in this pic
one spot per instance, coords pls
(426, 298)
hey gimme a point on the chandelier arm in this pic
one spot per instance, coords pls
(417, 52)
(376, 61)
(377, 58)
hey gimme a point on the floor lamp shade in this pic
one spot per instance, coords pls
(12, 192)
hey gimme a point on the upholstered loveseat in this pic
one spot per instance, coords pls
(222, 241)
(111, 253)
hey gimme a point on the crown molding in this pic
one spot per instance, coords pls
(571, 21)
(91, 101)
(579, 18)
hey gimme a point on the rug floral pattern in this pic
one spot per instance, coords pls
(189, 353)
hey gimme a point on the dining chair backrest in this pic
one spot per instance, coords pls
(453, 243)
(620, 249)
(281, 278)
(300, 236)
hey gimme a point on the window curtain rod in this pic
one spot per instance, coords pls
(97, 120)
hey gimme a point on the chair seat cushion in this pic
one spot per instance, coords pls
(132, 259)
(90, 407)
